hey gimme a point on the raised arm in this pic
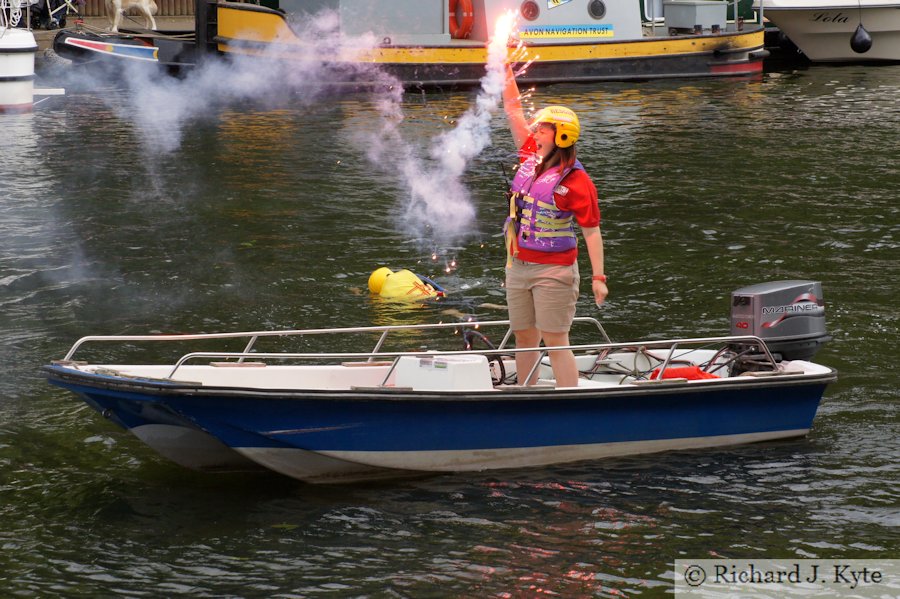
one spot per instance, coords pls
(512, 104)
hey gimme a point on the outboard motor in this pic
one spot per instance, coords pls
(788, 315)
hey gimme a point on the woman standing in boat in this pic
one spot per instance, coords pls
(550, 192)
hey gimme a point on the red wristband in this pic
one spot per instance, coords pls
(601, 278)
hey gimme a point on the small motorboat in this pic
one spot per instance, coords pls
(836, 31)
(344, 416)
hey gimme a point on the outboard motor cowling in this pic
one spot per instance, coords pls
(788, 315)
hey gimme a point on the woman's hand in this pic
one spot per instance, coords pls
(600, 291)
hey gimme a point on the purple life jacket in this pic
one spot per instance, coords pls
(535, 222)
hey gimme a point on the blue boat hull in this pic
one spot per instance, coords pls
(166, 432)
(433, 433)
(353, 435)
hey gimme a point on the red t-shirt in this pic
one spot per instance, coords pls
(580, 199)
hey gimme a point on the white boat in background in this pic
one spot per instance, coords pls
(17, 50)
(824, 29)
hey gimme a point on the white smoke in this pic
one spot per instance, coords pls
(162, 106)
(439, 208)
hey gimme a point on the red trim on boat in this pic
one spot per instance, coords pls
(16, 108)
(737, 68)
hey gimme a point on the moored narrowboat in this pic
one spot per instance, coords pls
(445, 43)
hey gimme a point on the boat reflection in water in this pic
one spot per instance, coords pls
(427, 44)
(330, 415)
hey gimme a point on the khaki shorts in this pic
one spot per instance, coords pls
(541, 296)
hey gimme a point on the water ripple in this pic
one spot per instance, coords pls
(255, 222)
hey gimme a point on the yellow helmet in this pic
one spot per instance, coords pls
(376, 279)
(565, 121)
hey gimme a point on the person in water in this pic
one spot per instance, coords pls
(550, 193)
(403, 285)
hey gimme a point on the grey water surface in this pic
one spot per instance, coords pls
(272, 216)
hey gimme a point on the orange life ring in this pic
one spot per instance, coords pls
(461, 29)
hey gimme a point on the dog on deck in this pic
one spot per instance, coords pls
(116, 8)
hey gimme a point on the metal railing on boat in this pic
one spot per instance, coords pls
(672, 345)
(256, 335)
